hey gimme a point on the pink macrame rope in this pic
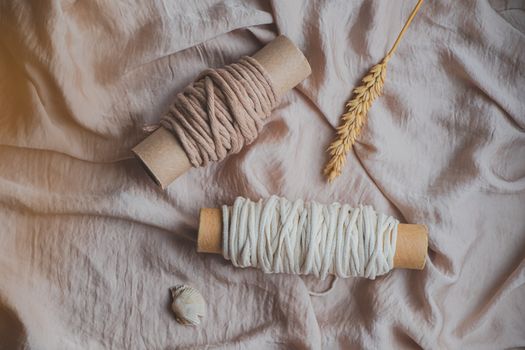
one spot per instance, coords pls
(223, 110)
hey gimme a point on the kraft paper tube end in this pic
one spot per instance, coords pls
(209, 238)
(162, 156)
(284, 62)
(411, 247)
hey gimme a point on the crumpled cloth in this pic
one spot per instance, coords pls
(89, 246)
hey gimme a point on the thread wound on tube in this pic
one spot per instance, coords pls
(223, 110)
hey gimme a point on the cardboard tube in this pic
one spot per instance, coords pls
(411, 245)
(162, 155)
(284, 63)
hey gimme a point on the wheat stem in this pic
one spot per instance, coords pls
(405, 27)
(354, 118)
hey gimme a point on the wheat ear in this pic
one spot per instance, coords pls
(354, 118)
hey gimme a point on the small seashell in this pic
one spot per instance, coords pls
(188, 305)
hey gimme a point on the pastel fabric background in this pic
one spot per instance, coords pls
(89, 247)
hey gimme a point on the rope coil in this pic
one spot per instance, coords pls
(223, 110)
(281, 236)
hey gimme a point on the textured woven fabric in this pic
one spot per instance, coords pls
(89, 247)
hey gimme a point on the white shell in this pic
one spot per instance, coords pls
(188, 305)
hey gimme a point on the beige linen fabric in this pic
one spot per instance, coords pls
(89, 246)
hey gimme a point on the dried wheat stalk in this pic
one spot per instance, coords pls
(354, 118)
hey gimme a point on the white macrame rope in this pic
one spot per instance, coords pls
(281, 236)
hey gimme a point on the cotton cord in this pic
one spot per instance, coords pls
(223, 110)
(297, 237)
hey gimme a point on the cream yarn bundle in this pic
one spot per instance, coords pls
(297, 237)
